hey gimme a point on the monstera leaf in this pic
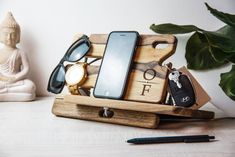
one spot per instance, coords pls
(227, 82)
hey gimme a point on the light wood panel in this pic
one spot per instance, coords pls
(146, 50)
(138, 88)
(123, 117)
(138, 106)
(148, 79)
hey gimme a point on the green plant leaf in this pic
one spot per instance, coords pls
(218, 54)
(198, 55)
(231, 58)
(169, 28)
(227, 30)
(218, 51)
(221, 41)
(225, 17)
(227, 83)
(221, 56)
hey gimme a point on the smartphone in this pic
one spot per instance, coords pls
(116, 64)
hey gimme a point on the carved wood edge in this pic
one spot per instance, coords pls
(146, 45)
(122, 117)
(139, 106)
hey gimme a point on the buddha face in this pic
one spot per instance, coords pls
(9, 36)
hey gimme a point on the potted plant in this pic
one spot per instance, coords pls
(206, 50)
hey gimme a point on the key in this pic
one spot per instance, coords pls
(174, 76)
(184, 96)
(169, 99)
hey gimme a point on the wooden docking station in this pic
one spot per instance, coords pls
(143, 103)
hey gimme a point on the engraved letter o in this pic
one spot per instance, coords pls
(150, 71)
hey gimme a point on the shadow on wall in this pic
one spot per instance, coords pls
(28, 45)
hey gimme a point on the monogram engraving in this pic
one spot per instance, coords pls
(147, 87)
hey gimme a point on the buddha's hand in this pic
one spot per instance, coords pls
(7, 79)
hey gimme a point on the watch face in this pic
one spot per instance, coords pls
(75, 74)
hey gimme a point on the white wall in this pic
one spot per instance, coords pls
(49, 25)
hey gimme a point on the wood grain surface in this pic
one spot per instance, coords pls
(148, 78)
(123, 117)
(138, 88)
(146, 50)
(138, 106)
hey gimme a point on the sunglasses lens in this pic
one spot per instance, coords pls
(57, 80)
(78, 50)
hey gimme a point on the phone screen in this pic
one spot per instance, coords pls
(115, 66)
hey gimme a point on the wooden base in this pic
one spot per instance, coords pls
(123, 117)
(159, 109)
(129, 113)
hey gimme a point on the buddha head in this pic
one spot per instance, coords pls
(9, 31)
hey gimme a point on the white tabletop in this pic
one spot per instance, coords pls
(29, 129)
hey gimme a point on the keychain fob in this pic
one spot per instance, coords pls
(181, 89)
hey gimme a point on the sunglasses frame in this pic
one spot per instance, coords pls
(66, 58)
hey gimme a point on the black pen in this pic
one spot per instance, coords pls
(170, 139)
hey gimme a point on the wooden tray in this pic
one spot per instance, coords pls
(123, 117)
(141, 107)
(129, 113)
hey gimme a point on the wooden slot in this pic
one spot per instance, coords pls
(123, 117)
(139, 106)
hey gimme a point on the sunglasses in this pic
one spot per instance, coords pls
(75, 53)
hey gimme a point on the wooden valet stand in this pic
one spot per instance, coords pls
(143, 102)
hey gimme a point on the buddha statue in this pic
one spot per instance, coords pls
(14, 65)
